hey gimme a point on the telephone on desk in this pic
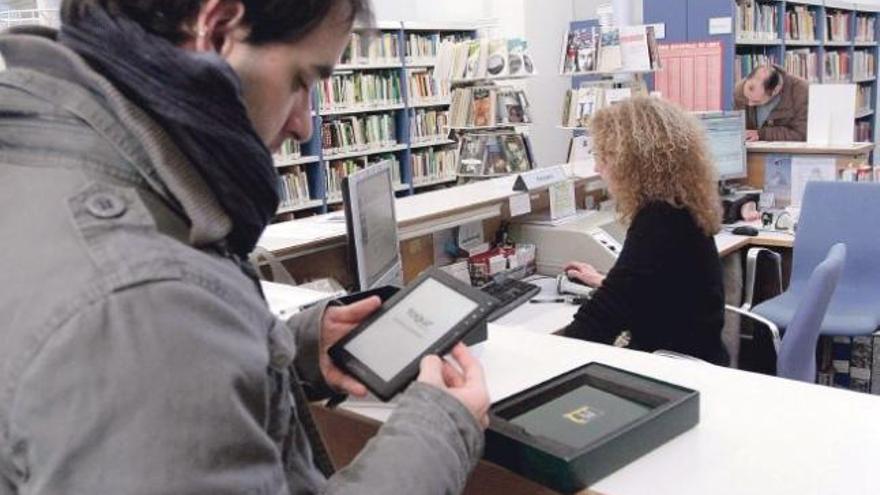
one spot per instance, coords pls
(568, 285)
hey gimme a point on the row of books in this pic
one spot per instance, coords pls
(367, 49)
(429, 125)
(865, 28)
(290, 150)
(433, 165)
(756, 21)
(863, 97)
(799, 23)
(628, 48)
(337, 170)
(803, 63)
(580, 104)
(863, 132)
(864, 64)
(836, 65)
(293, 187)
(850, 362)
(484, 58)
(493, 154)
(745, 64)
(358, 133)
(424, 87)
(360, 90)
(489, 106)
(837, 25)
(425, 47)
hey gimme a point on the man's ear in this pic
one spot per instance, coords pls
(220, 25)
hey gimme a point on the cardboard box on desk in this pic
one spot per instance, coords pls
(571, 431)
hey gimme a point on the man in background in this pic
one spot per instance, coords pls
(776, 104)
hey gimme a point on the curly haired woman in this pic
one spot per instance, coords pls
(666, 286)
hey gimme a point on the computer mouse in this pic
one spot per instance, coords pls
(745, 230)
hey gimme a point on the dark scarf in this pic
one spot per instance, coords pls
(196, 99)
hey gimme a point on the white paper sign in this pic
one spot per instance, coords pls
(809, 168)
(539, 178)
(520, 204)
(720, 25)
(828, 121)
(562, 200)
(659, 30)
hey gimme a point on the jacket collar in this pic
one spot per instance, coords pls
(144, 146)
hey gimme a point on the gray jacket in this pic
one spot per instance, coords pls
(136, 358)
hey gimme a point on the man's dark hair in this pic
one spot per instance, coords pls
(773, 79)
(269, 20)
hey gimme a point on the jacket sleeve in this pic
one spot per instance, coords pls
(160, 388)
(429, 445)
(606, 314)
(306, 329)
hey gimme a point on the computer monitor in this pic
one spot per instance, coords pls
(725, 133)
(374, 250)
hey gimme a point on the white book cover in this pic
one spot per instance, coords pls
(828, 122)
(496, 62)
(634, 48)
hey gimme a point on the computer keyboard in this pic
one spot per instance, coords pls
(511, 293)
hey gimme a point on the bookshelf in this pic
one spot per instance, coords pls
(828, 41)
(382, 103)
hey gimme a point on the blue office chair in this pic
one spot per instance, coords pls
(796, 350)
(835, 212)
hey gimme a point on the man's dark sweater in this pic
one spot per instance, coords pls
(666, 289)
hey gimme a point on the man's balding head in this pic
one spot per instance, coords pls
(762, 84)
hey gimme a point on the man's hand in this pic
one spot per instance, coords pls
(585, 273)
(467, 385)
(752, 136)
(336, 323)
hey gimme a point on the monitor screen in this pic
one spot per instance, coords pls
(373, 227)
(725, 135)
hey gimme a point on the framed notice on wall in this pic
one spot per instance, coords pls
(691, 75)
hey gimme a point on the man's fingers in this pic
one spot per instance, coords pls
(451, 376)
(469, 364)
(357, 312)
(431, 370)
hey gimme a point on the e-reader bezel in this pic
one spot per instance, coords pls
(385, 390)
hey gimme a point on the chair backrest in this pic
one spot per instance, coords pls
(833, 212)
(797, 354)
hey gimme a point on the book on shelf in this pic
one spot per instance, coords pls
(837, 25)
(337, 170)
(357, 133)
(429, 125)
(424, 87)
(433, 165)
(580, 104)
(425, 47)
(746, 63)
(610, 55)
(851, 363)
(493, 153)
(799, 23)
(803, 63)
(865, 25)
(863, 98)
(370, 49)
(293, 187)
(360, 90)
(837, 65)
(863, 134)
(484, 59)
(489, 106)
(590, 49)
(290, 150)
(393, 163)
(756, 21)
(864, 64)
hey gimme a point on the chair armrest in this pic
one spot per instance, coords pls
(751, 273)
(774, 330)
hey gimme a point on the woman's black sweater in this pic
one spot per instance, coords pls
(666, 289)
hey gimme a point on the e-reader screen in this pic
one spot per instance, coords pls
(409, 328)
